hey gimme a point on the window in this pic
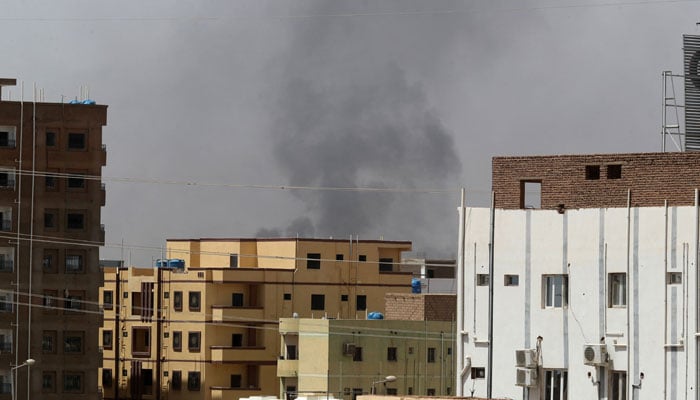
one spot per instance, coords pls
(618, 385)
(449, 351)
(6, 301)
(107, 378)
(48, 382)
(107, 300)
(75, 220)
(49, 301)
(7, 179)
(141, 341)
(177, 341)
(357, 354)
(50, 139)
(50, 261)
(136, 303)
(361, 302)
(50, 218)
(430, 392)
(556, 291)
(76, 181)
(73, 382)
(362, 258)
(614, 171)
(592, 172)
(478, 373)
(431, 354)
(50, 183)
(107, 339)
(511, 280)
(555, 385)
(76, 141)
(287, 296)
(339, 257)
(410, 390)
(193, 381)
(318, 302)
(236, 340)
(391, 354)
(193, 341)
(237, 299)
(48, 342)
(482, 279)
(673, 278)
(233, 260)
(194, 298)
(386, 264)
(73, 342)
(343, 297)
(531, 194)
(236, 381)
(7, 137)
(313, 261)
(73, 301)
(176, 380)
(177, 300)
(391, 391)
(6, 262)
(617, 290)
(74, 262)
(291, 352)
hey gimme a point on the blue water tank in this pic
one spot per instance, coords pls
(415, 285)
(89, 101)
(170, 263)
(375, 315)
(74, 101)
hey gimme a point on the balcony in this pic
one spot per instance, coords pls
(237, 314)
(287, 368)
(251, 354)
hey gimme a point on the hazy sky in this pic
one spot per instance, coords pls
(384, 94)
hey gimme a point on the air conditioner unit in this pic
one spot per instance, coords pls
(595, 354)
(526, 358)
(348, 349)
(526, 377)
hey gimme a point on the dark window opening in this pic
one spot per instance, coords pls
(362, 258)
(50, 182)
(339, 257)
(50, 139)
(237, 299)
(75, 182)
(313, 261)
(176, 380)
(592, 172)
(76, 141)
(615, 171)
(318, 302)
(177, 341)
(177, 300)
(236, 340)
(287, 296)
(236, 381)
(357, 354)
(75, 221)
(343, 297)
(431, 354)
(233, 260)
(291, 352)
(194, 301)
(107, 378)
(141, 342)
(361, 302)
(193, 381)
(193, 341)
(391, 354)
(478, 373)
(49, 219)
(386, 264)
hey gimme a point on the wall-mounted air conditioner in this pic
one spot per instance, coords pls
(526, 377)
(526, 358)
(595, 354)
(348, 349)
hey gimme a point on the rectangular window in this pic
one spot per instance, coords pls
(555, 382)
(107, 300)
(106, 377)
(361, 302)
(318, 302)
(50, 183)
(236, 340)
(48, 342)
(674, 278)
(615, 171)
(72, 382)
(291, 352)
(362, 258)
(430, 392)
(556, 291)
(49, 263)
(339, 257)
(511, 280)
(531, 194)
(136, 303)
(50, 219)
(236, 381)
(75, 220)
(357, 354)
(592, 172)
(177, 300)
(478, 373)
(7, 179)
(194, 301)
(313, 261)
(141, 341)
(482, 279)
(617, 290)
(431, 354)
(391, 354)
(107, 339)
(73, 342)
(74, 301)
(193, 341)
(50, 301)
(48, 382)
(287, 296)
(74, 261)
(76, 141)
(50, 139)
(177, 341)
(76, 181)
(6, 302)
(618, 385)
(237, 299)
(176, 380)
(386, 264)
(193, 381)
(7, 137)
(233, 260)
(343, 297)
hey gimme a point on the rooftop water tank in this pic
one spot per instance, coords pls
(415, 285)
(375, 315)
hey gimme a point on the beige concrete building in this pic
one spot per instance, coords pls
(210, 330)
(50, 233)
(345, 358)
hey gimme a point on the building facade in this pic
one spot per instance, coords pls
(51, 159)
(593, 300)
(210, 330)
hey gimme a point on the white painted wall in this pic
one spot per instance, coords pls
(587, 245)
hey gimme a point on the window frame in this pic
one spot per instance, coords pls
(194, 336)
(194, 300)
(617, 290)
(558, 376)
(81, 378)
(177, 300)
(549, 291)
(313, 260)
(318, 300)
(177, 341)
(194, 381)
(80, 336)
(392, 354)
(107, 344)
(71, 145)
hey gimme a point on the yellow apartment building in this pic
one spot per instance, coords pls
(210, 330)
(347, 358)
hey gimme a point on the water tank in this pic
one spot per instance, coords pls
(176, 263)
(415, 285)
(375, 315)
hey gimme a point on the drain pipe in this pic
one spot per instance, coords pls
(459, 347)
(630, 380)
(489, 376)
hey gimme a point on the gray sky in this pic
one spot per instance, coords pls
(402, 94)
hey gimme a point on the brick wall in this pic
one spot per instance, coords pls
(420, 307)
(651, 177)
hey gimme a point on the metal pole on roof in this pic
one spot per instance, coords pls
(459, 348)
(489, 375)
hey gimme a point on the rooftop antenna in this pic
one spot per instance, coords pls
(670, 121)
